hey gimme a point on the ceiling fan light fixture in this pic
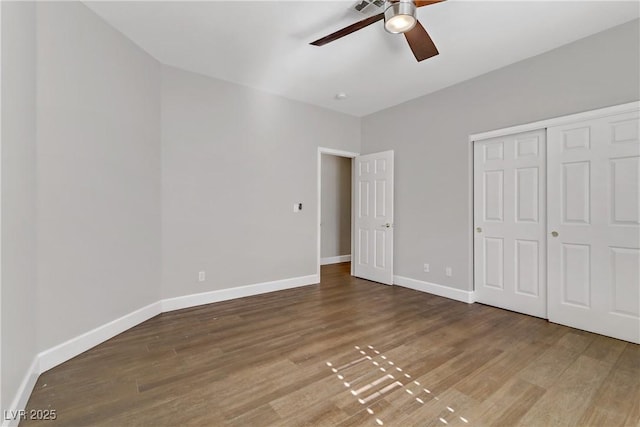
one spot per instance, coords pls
(399, 16)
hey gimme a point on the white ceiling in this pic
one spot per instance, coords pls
(265, 44)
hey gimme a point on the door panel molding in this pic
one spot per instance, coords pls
(509, 212)
(594, 254)
(374, 219)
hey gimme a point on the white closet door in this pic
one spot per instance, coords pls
(509, 218)
(594, 225)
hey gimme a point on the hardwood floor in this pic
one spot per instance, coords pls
(346, 352)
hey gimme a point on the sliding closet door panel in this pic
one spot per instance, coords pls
(509, 217)
(594, 225)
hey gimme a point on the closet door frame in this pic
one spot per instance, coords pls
(544, 124)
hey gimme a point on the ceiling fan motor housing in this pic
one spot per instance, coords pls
(399, 16)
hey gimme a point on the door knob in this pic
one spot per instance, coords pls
(387, 225)
(554, 233)
(479, 230)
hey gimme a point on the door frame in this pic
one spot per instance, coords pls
(542, 124)
(339, 153)
(11, 404)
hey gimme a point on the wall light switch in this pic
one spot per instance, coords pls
(297, 207)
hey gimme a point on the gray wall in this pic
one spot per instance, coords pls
(98, 173)
(335, 214)
(121, 140)
(430, 139)
(234, 162)
(18, 191)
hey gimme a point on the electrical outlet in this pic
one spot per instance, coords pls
(297, 207)
(201, 276)
(426, 268)
(448, 271)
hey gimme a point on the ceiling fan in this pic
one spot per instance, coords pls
(399, 17)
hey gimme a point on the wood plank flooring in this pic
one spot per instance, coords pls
(346, 352)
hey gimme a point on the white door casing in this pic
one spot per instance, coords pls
(509, 222)
(594, 215)
(339, 153)
(373, 240)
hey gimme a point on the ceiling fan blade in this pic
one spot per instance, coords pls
(420, 3)
(348, 30)
(420, 43)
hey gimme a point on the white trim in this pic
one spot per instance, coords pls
(339, 153)
(1, 204)
(470, 216)
(193, 300)
(60, 353)
(435, 289)
(73, 347)
(557, 121)
(23, 394)
(353, 212)
(335, 259)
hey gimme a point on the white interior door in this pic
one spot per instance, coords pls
(373, 249)
(509, 221)
(594, 226)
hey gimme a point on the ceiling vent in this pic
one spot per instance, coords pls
(368, 7)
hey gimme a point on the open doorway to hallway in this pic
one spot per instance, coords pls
(335, 208)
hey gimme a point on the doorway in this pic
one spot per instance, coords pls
(335, 206)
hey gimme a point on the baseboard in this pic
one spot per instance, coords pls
(10, 415)
(335, 259)
(177, 303)
(73, 347)
(69, 349)
(432, 288)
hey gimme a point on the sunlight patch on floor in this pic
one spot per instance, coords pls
(381, 386)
